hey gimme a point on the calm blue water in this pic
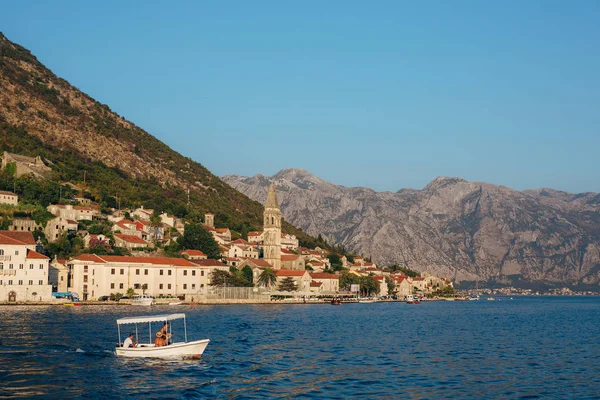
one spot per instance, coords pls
(524, 348)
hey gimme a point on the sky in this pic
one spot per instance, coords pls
(381, 94)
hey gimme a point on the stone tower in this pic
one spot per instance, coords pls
(272, 230)
(209, 220)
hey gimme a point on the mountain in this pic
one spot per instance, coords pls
(464, 230)
(111, 159)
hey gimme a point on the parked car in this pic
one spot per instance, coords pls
(103, 298)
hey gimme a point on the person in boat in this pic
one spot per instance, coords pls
(164, 334)
(129, 341)
(160, 340)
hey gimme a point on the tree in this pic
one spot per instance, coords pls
(287, 284)
(335, 261)
(196, 237)
(368, 285)
(155, 223)
(219, 278)
(144, 288)
(247, 274)
(390, 285)
(130, 292)
(348, 279)
(267, 277)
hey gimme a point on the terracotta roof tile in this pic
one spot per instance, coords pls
(323, 275)
(130, 238)
(34, 254)
(14, 237)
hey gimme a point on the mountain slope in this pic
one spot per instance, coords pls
(452, 227)
(117, 162)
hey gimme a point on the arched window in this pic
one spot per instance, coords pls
(273, 220)
(1, 252)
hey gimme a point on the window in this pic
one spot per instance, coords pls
(122, 272)
(92, 281)
(169, 272)
(201, 273)
(85, 288)
(1, 252)
(42, 267)
(145, 272)
(20, 282)
(93, 271)
(112, 271)
(137, 271)
(184, 272)
(41, 282)
(31, 281)
(161, 272)
(85, 268)
(112, 285)
(120, 286)
(193, 273)
(85, 279)
(193, 286)
(136, 286)
(202, 285)
(16, 252)
(185, 285)
(1, 265)
(10, 266)
(169, 286)
(10, 282)
(160, 286)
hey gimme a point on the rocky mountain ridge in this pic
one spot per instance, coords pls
(464, 230)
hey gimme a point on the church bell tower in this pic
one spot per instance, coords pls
(272, 229)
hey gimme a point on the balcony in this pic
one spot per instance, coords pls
(5, 258)
(8, 272)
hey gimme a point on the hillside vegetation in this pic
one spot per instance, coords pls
(112, 160)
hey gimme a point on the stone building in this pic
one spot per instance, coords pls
(25, 165)
(272, 229)
(8, 198)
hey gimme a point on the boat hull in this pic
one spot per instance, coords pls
(192, 350)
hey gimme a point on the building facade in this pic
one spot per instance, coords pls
(23, 271)
(95, 276)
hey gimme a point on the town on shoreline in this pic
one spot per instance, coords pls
(77, 251)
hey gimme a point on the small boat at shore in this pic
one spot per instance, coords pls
(175, 350)
(176, 303)
(142, 300)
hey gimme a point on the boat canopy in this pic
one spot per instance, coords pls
(149, 318)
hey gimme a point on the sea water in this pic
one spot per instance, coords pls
(528, 347)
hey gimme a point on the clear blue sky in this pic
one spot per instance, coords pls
(382, 94)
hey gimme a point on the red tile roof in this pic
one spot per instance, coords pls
(222, 230)
(254, 233)
(35, 254)
(179, 262)
(418, 279)
(324, 275)
(192, 252)
(14, 237)
(130, 238)
(316, 263)
(316, 284)
(290, 272)
(208, 263)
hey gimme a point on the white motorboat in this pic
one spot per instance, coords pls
(175, 350)
(176, 303)
(142, 300)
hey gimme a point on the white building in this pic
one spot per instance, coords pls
(95, 276)
(23, 271)
(8, 198)
(76, 213)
